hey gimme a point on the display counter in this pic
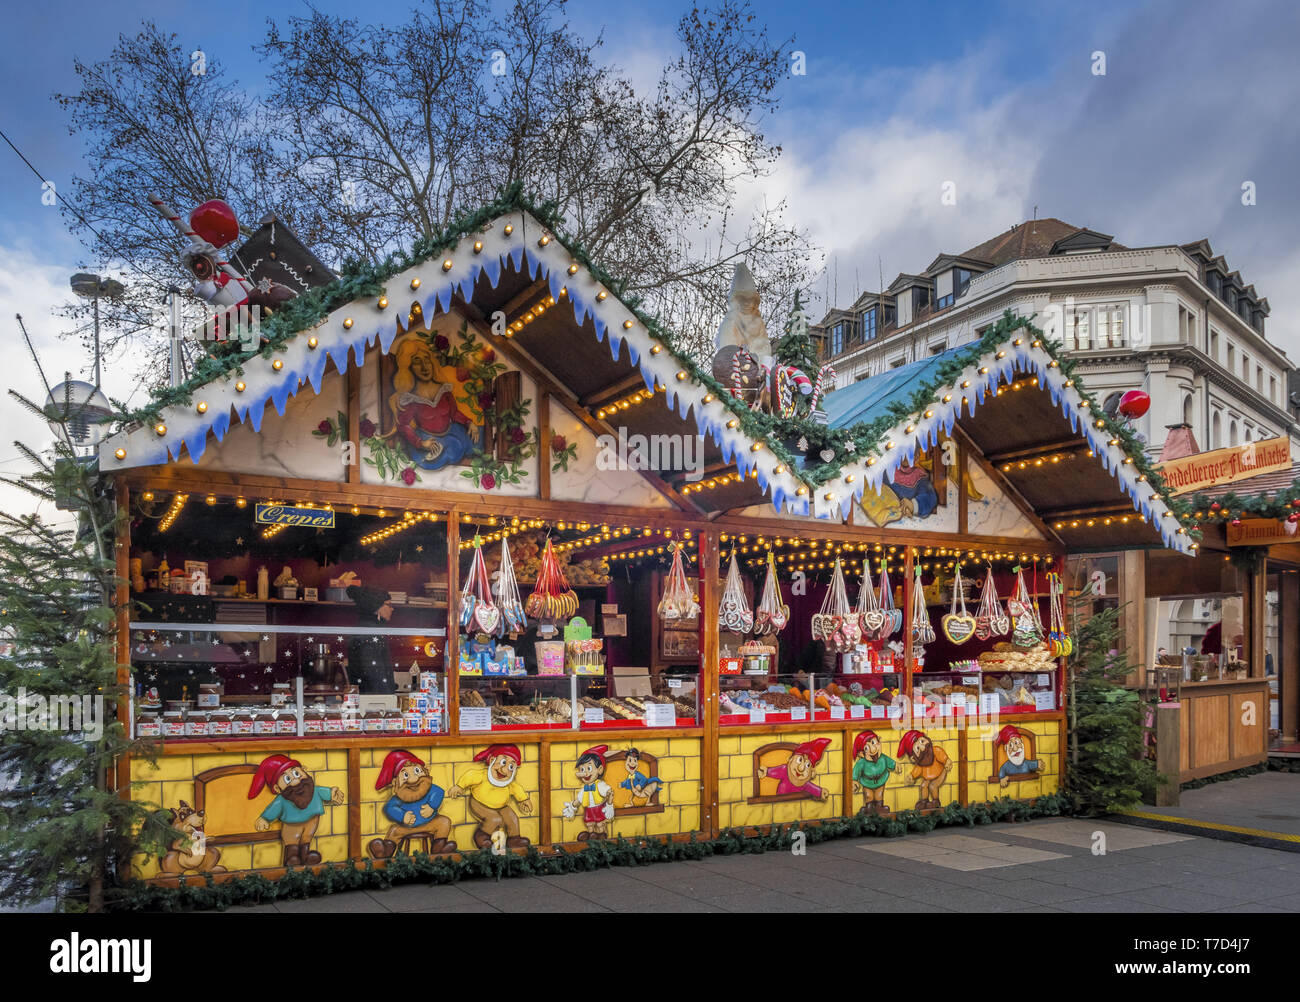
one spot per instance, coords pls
(1223, 726)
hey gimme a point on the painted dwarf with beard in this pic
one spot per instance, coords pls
(412, 807)
(871, 769)
(298, 806)
(931, 766)
(1017, 764)
(490, 789)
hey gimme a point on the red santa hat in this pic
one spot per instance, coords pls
(909, 739)
(270, 771)
(395, 761)
(814, 749)
(597, 751)
(861, 740)
(1006, 734)
(492, 751)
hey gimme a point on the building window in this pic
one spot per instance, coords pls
(938, 348)
(1214, 344)
(962, 277)
(1232, 434)
(1272, 388)
(943, 302)
(837, 339)
(1245, 368)
(1079, 334)
(1259, 378)
(1187, 409)
(898, 362)
(1216, 433)
(869, 325)
(1232, 359)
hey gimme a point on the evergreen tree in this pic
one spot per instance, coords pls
(1109, 768)
(65, 831)
(796, 346)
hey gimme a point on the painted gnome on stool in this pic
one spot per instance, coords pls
(1016, 764)
(596, 798)
(298, 806)
(930, 766)
(490, 789)
(412, 807)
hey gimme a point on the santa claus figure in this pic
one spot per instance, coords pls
(930, 766)
(298, 806)
(797, 773)
(490, 788)
(596, 798)
(743, 325)
(1016, 764)
(412, 808)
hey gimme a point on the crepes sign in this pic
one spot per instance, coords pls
(1226, 466)
(283, 514)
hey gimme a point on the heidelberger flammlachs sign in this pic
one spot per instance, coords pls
(1226, 466)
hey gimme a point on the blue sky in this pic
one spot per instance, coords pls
(898, 98)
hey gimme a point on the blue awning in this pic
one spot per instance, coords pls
(865, 401)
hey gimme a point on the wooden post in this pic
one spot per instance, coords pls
(907, 621)
(122, 610)
(1167, 752)
(354, 421)
(1288, 667)
(963, 518)
(708, 682)
(1132, 611)
(544, 445)
(354, 803)
(451, 650)
(1254, 614)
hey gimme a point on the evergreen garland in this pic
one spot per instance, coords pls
(355, 875)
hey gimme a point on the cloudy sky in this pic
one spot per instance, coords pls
(999, 99)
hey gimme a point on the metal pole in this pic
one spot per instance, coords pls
(96, 339)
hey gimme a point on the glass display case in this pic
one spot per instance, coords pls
(582, 702)
(801, 697)
(213, 681)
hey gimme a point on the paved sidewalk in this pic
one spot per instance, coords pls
(1261, 808)
(1046, 865)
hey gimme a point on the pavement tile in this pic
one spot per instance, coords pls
(763, 901)
(1038, 892)
(527, 894)
(1115, 903)
(355, 901)
(428, 897)
(1181, 899)
(1015, 853)
(1257, 909)
(1238, 890)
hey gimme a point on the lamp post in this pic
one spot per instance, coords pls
(94, 287)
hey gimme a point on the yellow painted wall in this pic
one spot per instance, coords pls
(678, 766)
(980, 752)
(172, 780)
(446, 766)
(736, 781)
(901, 794)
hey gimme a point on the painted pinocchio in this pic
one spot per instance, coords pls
(490, 787)
(930, 766)
(298, 806)
(797, 774)
(412, 807)
(641, 785)
(871, 769)
(596, 798)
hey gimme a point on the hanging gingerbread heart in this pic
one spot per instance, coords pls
(922, 628)
(487, 617)
(958, 626)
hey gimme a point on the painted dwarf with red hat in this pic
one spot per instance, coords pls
(1016, 764)
(412, 807)
(871, 769)
(930, 766)
(298, 806)
(596, 798)
(797, 773)
(490, 788)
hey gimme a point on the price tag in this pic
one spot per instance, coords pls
(989, 703)
(593, 715)
(674, 683)
(1044, 701)
(945, 709)
(798, 713)
(475, 718)
(970, 680)
(837, 713)
(1044, 680)
(857, 712)
(660, 715)
(878, 713)
(895, 712)
(972, 706)
(757, 716)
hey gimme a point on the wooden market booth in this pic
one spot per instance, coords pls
(499, 390)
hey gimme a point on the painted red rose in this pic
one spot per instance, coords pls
(367, 428)
(487, 481)
(558, 443)
(485, 400)
(324, 428)
(489, 355)
(440, 342)
(408, 476)
(517, 435)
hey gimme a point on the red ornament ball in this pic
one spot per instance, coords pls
(1215, 506)
(1236, 522)
(1293, 518)
(215, 222)
(1134, 404)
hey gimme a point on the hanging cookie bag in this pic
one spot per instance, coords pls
(511, 605)
(893, 615)
(922, 629)
(958, 625)
(678, 602)
(772, 614)
(870, 616)
(478, 612)
(734, 615)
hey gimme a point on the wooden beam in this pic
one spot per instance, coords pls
(708, 687)
(354, 423)
(963, 496)
(1036, 451)
(613, 390)
(545, 433)
(1288, 666)
(1007, 487)
(548, 383)
(1090, 511)
(451, 649)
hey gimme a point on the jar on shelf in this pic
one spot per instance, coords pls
(220, 724)
(242, 723)
(286, 721)
(263, 721)
(351, 721)
(209, 695)
(281, 694)
(148, 726)
(372, 721)
(173, 724)
(393, 722)
(196, 724)
(334, 721)
(313, 719)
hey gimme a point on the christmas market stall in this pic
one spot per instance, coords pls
(464, 552)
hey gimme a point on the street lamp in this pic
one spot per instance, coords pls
(96, 288)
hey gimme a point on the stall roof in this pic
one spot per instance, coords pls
(511, 263)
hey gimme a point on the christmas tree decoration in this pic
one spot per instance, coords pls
(958, 625)
(552, 598)
(772, 613)
(734, 615)
(678, 601)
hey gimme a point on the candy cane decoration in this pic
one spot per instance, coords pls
(198, 243)
(827, 371)
(735, 377)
